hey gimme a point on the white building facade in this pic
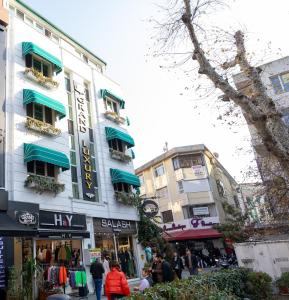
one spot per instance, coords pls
(68, 154)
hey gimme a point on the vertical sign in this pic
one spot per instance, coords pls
(2, 265)
(2, 103)
(87, 174)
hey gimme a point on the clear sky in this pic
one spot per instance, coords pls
(118, 31)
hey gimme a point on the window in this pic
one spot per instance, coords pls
(28, 21)
(39, 27)
(85, 58)
(220, 187)
(167, 216)
(141, 179)
(40, 65)
(280, 83)
(20, 14)
(159, 171)
(41, 168)
(122, 187)
(117, 145)
(47, 33)
(180, 186)
(162, 193)
(40, 112)
(187, 161)
(111, 105)
(55, 39)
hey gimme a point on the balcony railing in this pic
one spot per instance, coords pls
(42, 127)
(118, 155)
(110, 115)
(44, 184)
(38, 77)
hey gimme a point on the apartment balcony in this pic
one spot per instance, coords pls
(42, 127)
(196, 172)
(112, 116)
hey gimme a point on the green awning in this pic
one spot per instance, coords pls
(107, 93)
(29, 48)
(33, 96)
(34, 152)
(112, 133)
(118, 176)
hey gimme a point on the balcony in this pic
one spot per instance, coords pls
(44, 184)
(125, 198)
(42, 127)
(118, 155)
(196, 172)
(112, 116)
(38, 77)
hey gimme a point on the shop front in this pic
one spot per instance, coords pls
(196, 234)
(116, 240)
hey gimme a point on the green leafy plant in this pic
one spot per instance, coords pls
(42, 184)
(14, 289)
(119, 155)
(259, 286)
(283, 281)
(40, 78)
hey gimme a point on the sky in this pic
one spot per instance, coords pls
(119, 32)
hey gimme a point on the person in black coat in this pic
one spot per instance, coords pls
(177, 265)
(167, 271)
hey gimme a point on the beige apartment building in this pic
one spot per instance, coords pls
(189, 184)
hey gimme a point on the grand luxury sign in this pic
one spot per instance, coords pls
(88, 176)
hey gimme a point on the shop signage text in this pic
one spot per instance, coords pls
(201, 211)
(66, 221)
(196, 222)
(89, 180)
(174, 227)
(2, 265)
(117, 225)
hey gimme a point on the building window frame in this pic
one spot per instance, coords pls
(278, 83)
(159, 171)
(44, 111)
(111, 105)
(167, 216)
(34, 166)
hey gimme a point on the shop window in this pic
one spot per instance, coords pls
(41, 168)
(159, 171)
(167, 216)
(111, 105)
(42, 66)
(187, 161)
(40, 113)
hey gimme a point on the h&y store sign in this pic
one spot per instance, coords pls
(66, 225)
(89, 180)
(104, 225)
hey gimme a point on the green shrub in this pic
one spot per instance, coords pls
(259, 285)
(283, 281)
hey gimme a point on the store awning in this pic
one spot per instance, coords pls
(112, 133)
(118, 176)
(107, 93)
(9, 227)
(30, 96)
(35, 152)
(29, 48)
(191, 234)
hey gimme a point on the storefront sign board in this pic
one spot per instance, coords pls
(201, 211)
(103, 225)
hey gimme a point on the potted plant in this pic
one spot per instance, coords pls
(283, 284)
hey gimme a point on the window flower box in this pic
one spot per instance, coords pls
(112, 116)
(43, 184)
(125, 198)
(38, 77)
(118, 155)
(42, 127)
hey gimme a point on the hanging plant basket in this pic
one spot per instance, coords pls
(38, 77)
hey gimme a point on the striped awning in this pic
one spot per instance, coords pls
(34, 152)
(112, 133)
(29, 48)
(33, 96)
(118, 176)
(106, 93)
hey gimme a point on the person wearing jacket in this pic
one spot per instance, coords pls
(116, 285)
(97, 270)
(177, 265)
(167, 271)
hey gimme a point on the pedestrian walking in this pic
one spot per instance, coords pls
(116, 285)
(191, 262)
(157, 271)
(177, 265)
(97, 271)
(167, 271)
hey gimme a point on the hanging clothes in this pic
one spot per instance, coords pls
(62, 275)
(80, 278)
(62, 253)
(72, 281)
(68, 253)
